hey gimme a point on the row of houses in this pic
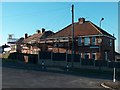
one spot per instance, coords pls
(90, 41)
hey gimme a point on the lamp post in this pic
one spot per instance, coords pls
(101, 21)
(100, 41)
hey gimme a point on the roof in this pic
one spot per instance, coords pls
(101, 30)
(19, 41)
(87, 28)
(33, 38)
(47, 34)
(36, 37)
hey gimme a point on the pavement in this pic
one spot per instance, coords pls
(111, 85)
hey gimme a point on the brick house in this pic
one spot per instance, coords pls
(30, 43)
(90, 41)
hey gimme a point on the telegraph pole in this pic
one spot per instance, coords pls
(72, 35)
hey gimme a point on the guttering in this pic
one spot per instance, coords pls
(98, 35)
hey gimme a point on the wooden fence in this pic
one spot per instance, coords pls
(61, 59)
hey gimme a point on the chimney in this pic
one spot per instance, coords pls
(43, 30)
(26, 35)
(81, 20)
(38, 31)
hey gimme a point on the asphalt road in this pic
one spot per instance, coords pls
(13, 77)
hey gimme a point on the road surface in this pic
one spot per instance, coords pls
(26, 78)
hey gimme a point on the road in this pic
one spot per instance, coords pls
(27, 78)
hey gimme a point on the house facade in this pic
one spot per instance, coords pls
(30, 44)
(90, 41)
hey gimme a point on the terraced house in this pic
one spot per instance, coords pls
(29, 44)
(90, 41)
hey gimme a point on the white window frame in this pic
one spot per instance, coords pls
(94, 53)
(94, 43)
(110, 42)
(106, 55)
(86, 53)
(79, 41)
(81, 54)
(87, 41)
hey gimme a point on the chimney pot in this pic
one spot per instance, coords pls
(81, 20)
(26, 35)
(38, 31)
(43, 30)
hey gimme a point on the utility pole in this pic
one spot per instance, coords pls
(72, 35)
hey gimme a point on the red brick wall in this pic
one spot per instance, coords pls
(106, 47)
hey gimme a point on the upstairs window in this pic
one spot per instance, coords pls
(106, 55)
(93, 40)
(79, 41)
(110, 42)
(86, 41)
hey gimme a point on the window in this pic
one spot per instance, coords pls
(55, 45)
(94, 56)
(79, 54)
(93, 40)
(86, 41)
(86, 55)
(106, 55)
(79, 41)
(110, 42)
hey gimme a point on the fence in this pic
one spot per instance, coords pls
(62, 59)
(32, 58)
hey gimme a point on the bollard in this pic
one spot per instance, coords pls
(67, 67)
(43, 65)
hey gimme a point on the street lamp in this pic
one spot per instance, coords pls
(101, 21)
(100, 41)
